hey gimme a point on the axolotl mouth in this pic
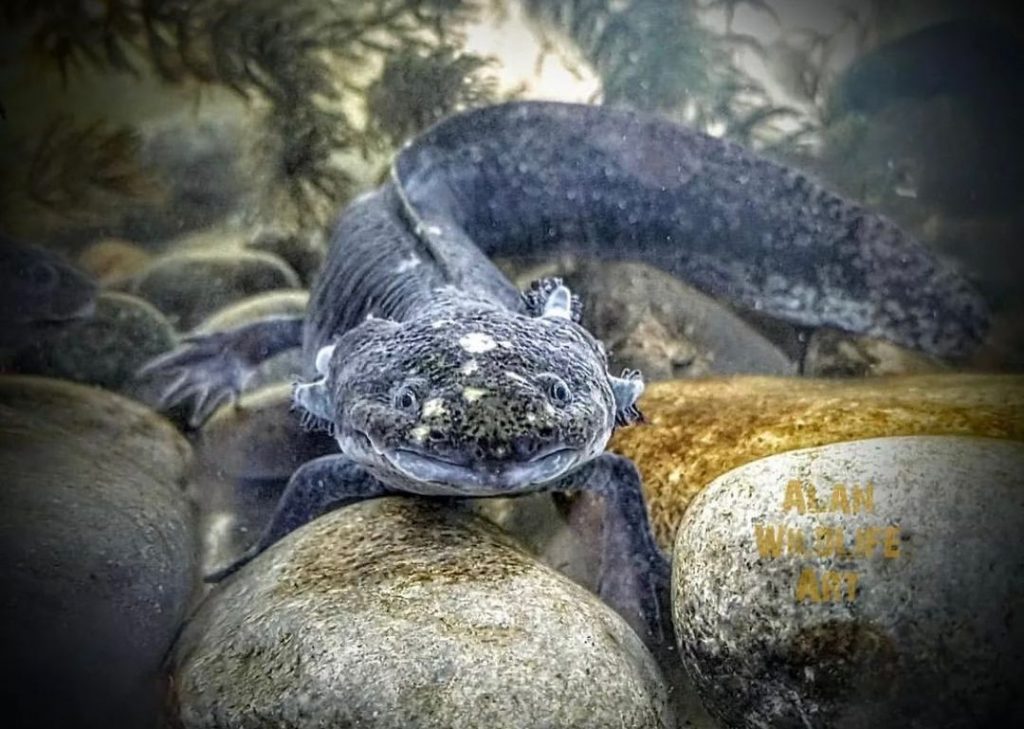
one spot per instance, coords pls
(438, 475)
(431, 475)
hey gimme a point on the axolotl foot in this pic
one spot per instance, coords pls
(322, 485)
(634, 574)
(212, 369)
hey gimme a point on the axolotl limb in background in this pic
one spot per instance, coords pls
(435, 376)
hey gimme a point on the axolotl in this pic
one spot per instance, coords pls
(437, 377)
(38, 288)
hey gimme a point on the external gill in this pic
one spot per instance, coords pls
(626, 412)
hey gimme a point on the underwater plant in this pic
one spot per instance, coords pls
(300, 65)
(417, 88)
(85, 173)
(648, 54)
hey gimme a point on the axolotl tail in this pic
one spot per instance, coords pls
(525, 177)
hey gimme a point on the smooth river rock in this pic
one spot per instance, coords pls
(698, 430)
(112, 261)
(190, 285)
(286, 303)
(861, 584)
(105, 349)
(305, 252)
(98, 554)
(402, 613)
(832, 353)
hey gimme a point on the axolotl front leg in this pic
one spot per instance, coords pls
(317, 487)
(213, 368)
(634, 573)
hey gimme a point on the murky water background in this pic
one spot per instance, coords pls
(191, 157)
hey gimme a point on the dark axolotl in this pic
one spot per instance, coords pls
(437, 377)
(38, 288)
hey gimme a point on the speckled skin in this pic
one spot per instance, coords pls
(476, 408)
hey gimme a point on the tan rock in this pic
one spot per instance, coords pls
(400, 612)
(188, 286)
(856, 585)
(113, 260)
(698, 430)
(282, 302)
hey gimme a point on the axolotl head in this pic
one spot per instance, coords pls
(38, 286)
(470, 399)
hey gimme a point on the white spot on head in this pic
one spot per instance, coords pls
(516, 377)
(472, 394)
(440, 323)
(469, 367)
(433, 406)
(477, 342)
(419, 433)
(531, 418)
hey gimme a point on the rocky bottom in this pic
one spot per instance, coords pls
(842, 548)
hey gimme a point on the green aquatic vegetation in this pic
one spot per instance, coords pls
(69, 161)
(85, 170)
(648, 54)
(659, 56)
(416, 89)
(300, 63)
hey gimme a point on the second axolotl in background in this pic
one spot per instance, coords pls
(436, 376)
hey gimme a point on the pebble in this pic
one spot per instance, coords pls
(698, 430)
(105, 349)
(98, 553)
(111, 260)
(859, 584)
(273, 303)
(304, 252)
(188, 286)
(400, 612)
(245, 454)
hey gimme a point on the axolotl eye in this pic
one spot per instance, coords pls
(557, 391)
(43, 276)
(406, 398)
